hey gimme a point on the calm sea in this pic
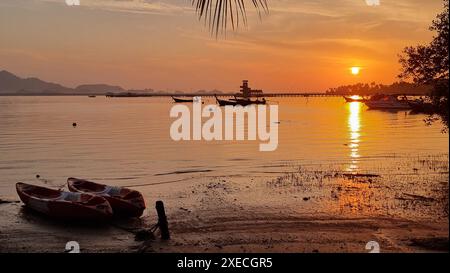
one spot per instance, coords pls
(126, 141)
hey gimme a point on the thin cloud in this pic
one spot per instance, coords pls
(134, 6)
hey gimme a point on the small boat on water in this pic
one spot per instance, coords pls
(124, 201)
(225, 102)
(241, 102)
(92, 96)
(178, 100)
(64, 205)
(387, 102)
(354, 99)
(243, 98)
(247, 101)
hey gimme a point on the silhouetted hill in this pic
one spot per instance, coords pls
(11, 84)
(14, 85)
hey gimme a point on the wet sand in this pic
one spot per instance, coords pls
(290, 212)
(224, 231)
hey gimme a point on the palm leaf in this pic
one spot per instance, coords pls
(219, 14)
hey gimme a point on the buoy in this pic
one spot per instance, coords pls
(74, 124)
(37, 176)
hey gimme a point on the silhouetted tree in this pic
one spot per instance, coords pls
(365, 89)
(428, 64)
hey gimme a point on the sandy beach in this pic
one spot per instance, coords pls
(223, 214)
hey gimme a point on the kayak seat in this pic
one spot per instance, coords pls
(70, 196)
(113, 191)
(89, 187)
(42, 193)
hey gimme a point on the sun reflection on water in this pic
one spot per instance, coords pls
(354, 127)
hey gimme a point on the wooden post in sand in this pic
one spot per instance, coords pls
(162, 221)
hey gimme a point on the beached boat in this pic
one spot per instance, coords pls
(92, 96)
(178, 100)
(387, 102)
(64, 205)
(124, 201)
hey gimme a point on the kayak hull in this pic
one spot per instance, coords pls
(64, 205)
(124, 202)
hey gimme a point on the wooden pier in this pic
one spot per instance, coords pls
(245, 92)
(267, 95)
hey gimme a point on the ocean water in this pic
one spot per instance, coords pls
(126, 141)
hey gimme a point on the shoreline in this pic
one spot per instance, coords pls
(230, 231)
(226, 215)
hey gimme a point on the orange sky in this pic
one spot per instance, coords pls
(302, 45)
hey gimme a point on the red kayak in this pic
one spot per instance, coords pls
(124, 201)
(64, 205)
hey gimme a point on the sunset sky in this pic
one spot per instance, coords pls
(302, 45)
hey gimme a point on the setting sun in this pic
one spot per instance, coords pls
(355, 70)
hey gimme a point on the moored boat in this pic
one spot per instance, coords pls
(243, 98)
(124, 201)
(241, 102)
(225, 102)
(247, 101)
(64, 205)
(354, 99)
(387, 102)
(178, 100)
(245, 94)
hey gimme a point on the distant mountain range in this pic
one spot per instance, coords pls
(14, 85)
(11, 84)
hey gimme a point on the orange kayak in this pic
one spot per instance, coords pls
(64, 205)
(124, 201)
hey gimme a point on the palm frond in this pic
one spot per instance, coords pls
(219, 14)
